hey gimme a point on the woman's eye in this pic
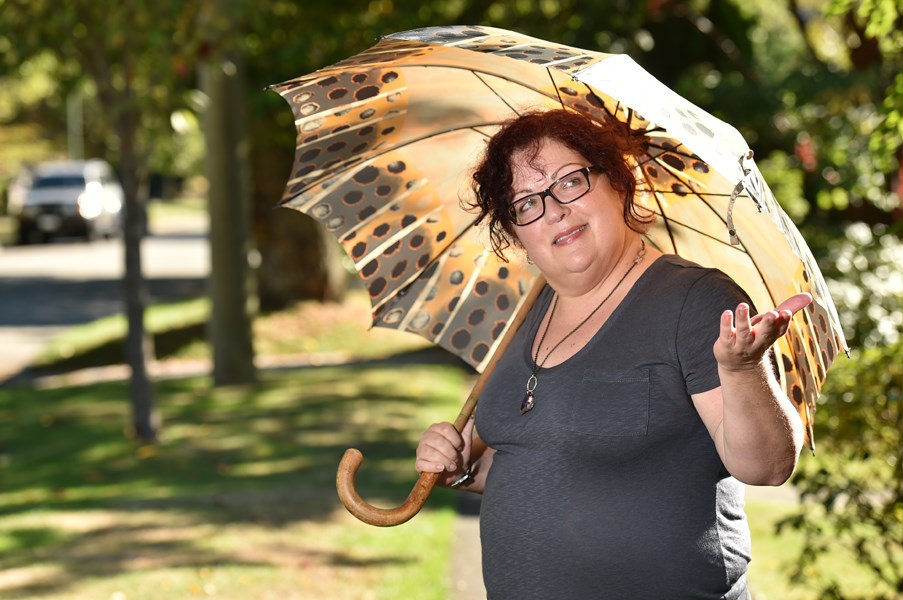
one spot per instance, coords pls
(527, 205)
(570, 182)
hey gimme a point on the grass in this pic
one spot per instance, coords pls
(188, 203)
(179, 330)
(237, 502)
(100, 342)
(775, 561)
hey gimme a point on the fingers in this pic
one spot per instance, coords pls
(786, 309)
(727, 327)
(467, 432)
(742, 323)
(736, 325)
(744, 339)
(440, 448)
(795, 303)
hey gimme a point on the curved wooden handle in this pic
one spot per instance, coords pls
(372, 515)
(351, 461)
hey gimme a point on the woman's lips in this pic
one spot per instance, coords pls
(568, 235)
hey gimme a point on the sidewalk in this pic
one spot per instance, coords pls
(466, 568)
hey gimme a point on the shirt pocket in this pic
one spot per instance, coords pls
(612, 404)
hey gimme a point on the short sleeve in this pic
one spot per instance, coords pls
(699, 327)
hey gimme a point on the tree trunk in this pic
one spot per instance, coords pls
(226, 135)
(139, 346)
(300, 260)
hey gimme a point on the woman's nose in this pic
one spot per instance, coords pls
(555, 211)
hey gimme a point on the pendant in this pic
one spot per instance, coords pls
(527, 404)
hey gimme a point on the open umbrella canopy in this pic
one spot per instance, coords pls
(387, 139)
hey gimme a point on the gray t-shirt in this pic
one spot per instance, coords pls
(611, 486)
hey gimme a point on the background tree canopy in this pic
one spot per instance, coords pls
(815, 86)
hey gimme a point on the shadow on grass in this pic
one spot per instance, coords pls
(166, 343)
(109, 551)
(263, 456)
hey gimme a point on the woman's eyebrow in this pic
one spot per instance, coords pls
(555, 175)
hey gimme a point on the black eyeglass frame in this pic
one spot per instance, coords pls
(512, 213)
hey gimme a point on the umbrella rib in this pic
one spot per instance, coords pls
(631, 112)
(464, 293)
(342, 166)
(467, 40)
(428, 286)
(380, 248)
(497, 95)
(436, 258)
(667, 223)
(644, 132)
(752, 260)
(339, 168)
(680, 150)
(710, 194)
(703, 234)
(554, 85)
(604, 107)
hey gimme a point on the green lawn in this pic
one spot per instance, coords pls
(238, 500)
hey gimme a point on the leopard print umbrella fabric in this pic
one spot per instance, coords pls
(386, 141)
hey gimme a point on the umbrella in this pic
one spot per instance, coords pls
(386, 140)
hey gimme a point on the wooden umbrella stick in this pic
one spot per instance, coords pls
(351, 461)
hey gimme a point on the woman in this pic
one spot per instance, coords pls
(612, 442)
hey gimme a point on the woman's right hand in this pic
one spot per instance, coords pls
(443, 450)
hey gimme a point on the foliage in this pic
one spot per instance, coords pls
(853, 491)
(90, 49)
(834, 74)
(776, 572)
(880, 22)
(863, 271)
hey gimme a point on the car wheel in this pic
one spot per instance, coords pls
(31, 235)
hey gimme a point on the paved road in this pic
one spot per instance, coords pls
(44, 289)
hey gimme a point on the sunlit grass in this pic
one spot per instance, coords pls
(238, 501)
(159, 318)
(155, 554)
(775, 561)
(312, 327)
(160, 210)
(334, 331)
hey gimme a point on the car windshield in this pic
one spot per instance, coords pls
(54, 181)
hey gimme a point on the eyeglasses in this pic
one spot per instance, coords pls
(564, 190)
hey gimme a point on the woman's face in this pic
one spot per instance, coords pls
(572, 244)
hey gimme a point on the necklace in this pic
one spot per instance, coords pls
(527, 404)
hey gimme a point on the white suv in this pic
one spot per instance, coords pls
(80, 198)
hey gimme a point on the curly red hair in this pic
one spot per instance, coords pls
(608, 146)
